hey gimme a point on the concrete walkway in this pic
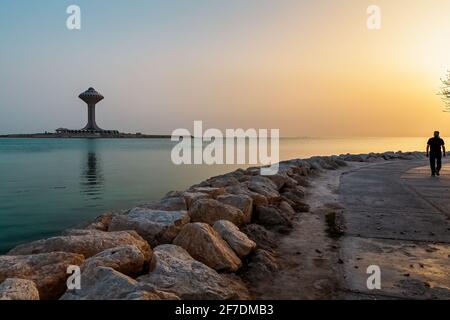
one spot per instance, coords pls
(396, 217)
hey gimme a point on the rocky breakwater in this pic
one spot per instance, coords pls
(211, 241)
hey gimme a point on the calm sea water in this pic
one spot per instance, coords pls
(48, 185)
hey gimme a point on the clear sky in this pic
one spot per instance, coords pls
(309, 68)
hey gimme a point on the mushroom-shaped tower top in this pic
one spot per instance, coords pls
(91, 96)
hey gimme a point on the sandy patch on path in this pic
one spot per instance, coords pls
(308, 257)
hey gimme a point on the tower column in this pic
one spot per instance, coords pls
(91, 97)
(91, 125)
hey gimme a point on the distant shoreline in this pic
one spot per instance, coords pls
(85, 136)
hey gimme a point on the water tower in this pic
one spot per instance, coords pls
(91, 97)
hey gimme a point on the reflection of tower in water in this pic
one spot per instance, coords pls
(91, 176)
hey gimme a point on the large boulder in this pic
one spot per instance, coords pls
(237, 240)
(18, 289)
(205, 244)
(241, 201)
(155, 226)
(128, 260)
(282, 180)
(297, 193)
(191, 197)
(271, 216)
(212, 192)
(103, 283)
(85, 242)
(177, 272)
(300, 179)
(223, 181)
(210, 210)
(287, 209)
(298, 206)
(264, 186)
(177, 203)
(262, 265)
(241, 189)
(264, 239)
(295, 197)
(48, 270)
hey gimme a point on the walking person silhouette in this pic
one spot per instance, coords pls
(435, 151)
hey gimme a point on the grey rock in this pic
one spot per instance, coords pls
(205, 245)
(85, 242)
(177, 272)
(103, 283)
(264, 239)
(48, 270)
(191, 197)
(210, 211)
(18, 289)
(264, 186)
(287, 210)
(128, 260)
(242, 202)
(295, 197)
(282, 180)
(262, 265)
(271, 216)
(166, 204)
(155, 226)
(223, 181)
(212, 192)
(300, 179)
(237, 240)
(258, 199)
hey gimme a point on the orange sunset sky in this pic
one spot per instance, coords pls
(309, 68)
